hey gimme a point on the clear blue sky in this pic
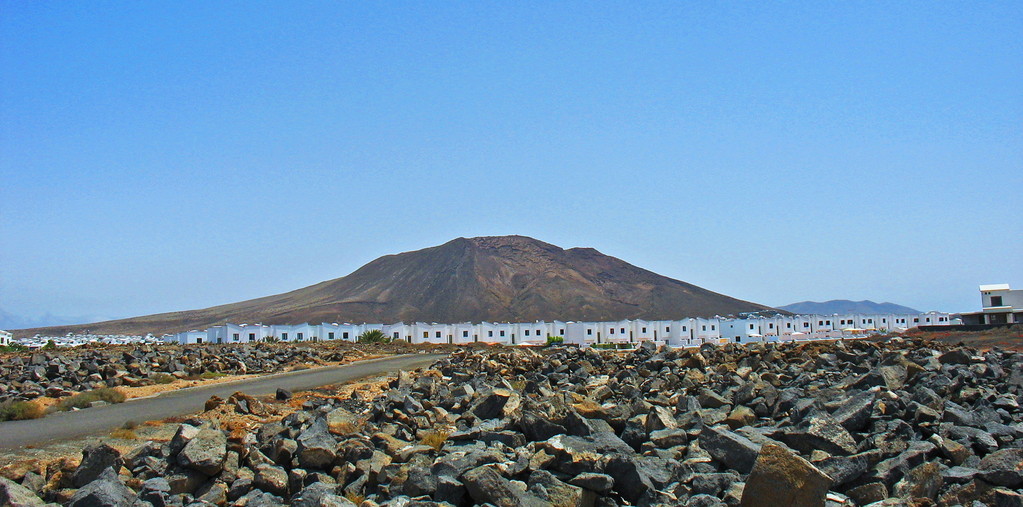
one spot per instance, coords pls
(161, 156)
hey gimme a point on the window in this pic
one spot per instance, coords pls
(770, 325)
(465, 334)
(704, 328)
(612, 331)
(589, 332)
(426, 334)
(527, 332)
(643, 331)
(820, 322)
(996, 300)
(299, 337)
(623, 330)
(828, 322)
(284, 336)
(751, 327)
(502, 333)
(235, 337)
(561, 332)
(438, 334)
(806, 324)
(916, 321)
(395, 335)
(344, 335)
(330, 336)
(490, 334)
(788, 325)
(538, 332)
(712, 327)
(683, 329)
(667, 329)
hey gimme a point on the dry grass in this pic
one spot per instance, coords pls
(355, 498)
(20, 410)
(435, 439)
(83, 400)
(124, 434)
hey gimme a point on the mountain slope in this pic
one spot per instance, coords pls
(845, 306)
(502, 278)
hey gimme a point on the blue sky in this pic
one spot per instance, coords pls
(176, 155)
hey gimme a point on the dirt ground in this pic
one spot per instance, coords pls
(1008, 338)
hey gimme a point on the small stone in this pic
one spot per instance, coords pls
(283, 394)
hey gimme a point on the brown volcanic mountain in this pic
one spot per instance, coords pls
(502, 278)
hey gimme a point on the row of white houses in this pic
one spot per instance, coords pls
(677, 333)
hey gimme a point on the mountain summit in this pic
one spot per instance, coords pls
(499, 278)
(845, 306)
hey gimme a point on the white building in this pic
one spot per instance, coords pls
(5, 337)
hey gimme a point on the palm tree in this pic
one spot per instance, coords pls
(373, 336)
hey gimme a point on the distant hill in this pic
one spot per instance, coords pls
(845, 306)
(13, 321)
(502, 278)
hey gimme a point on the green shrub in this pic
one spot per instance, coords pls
(555, 340)
(209, 375)
(162, 378)
(83, 400)
(374, 336)
(50, 345)
(14, 347)
(19, 410)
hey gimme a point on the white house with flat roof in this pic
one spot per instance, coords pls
(5, 337)
(999, 305)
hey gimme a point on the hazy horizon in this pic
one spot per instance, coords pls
(165, 157)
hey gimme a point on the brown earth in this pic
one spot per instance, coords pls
(501, 278)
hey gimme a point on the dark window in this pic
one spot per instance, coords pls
(623, 330)
(198, 340)
(330, 336)
(712, 327)
(344, 335)
(704, 328)
(527, 332)
(235, 336)
(668, 329)
(502, 333)
(395, 335)
(426, 334)
(562, 332)
(490, 334)
(465, 334)
(284, 336)
(589, 332)
(996, 300)
(751, 326)
(644, 330)
(299, 336)
(438, 334)
(612, 330)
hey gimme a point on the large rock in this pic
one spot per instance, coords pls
(485, 485)
(317, 449)
(1004, 468)
(105, 491)
(820, 431)
(498, 402)
(730, 448)
(205, 452)
(779, 477)
(95, 460)
(16, 495)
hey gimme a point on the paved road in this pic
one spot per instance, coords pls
(100, 420)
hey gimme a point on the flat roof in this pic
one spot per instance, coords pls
(995, 286)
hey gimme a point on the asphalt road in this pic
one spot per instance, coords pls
(101, 420)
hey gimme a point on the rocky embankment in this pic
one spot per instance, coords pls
(847, 423)
(61, 372)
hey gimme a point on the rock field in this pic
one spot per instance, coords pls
(903, 422)
(62, 372)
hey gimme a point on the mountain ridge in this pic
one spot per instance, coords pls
(845, 306)
(489, 278)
